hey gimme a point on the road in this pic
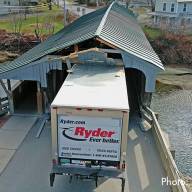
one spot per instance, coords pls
(28, 171)
(30, 167)
(75, 8)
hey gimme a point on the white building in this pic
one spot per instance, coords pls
(7, 6)
(18, 2)
(9, 2)
(173, 13)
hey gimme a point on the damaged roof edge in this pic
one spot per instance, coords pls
(113, 24)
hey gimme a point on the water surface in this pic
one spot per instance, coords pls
(175, 118)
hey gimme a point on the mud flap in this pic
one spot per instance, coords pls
(52, 178)
(122, 184)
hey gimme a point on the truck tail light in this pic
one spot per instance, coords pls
(54, 161)
(123, 165)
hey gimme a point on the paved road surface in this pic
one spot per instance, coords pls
(29, 169)
(12, 135)
(69, 5)
(73, 7)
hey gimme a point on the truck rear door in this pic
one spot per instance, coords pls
(89, 138)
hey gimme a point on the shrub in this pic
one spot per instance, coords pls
(173, 48)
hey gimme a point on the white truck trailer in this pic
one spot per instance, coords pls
(89, 122)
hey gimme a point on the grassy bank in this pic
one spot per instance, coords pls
(43, 17)
(152, 33)
(174, 78)
(162, 87)
(172, 48)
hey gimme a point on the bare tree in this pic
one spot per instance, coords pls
(37, 26)
(47, 27)
(16, 21)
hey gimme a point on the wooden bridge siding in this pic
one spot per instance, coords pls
(149, 70)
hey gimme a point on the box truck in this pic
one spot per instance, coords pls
(89, 123)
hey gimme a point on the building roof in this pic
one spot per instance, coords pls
(104, 85)
(113, 24)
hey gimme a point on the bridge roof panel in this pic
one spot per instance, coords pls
(121, 29)
(113, 24)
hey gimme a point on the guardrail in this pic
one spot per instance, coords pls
(164, 151)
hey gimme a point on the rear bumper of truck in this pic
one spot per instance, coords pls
(89, 172)
(78, 170)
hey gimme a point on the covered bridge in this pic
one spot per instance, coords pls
(110, 35)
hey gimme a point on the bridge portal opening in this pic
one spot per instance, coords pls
(24, 98)
(55, 79)
(136, 88)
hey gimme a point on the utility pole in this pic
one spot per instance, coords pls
(64, 10)
(97, 3)
(49, 4)
(127, 3)
(57, 3)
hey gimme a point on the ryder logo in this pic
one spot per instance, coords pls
(82, 134)
(81, 131)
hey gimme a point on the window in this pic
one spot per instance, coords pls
(164, 6)
(172, 7)
(184, 7)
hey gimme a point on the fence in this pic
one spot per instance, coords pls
(164, 151)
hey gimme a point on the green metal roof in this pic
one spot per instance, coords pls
(114, 24)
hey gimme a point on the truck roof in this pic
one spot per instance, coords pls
(94, 86)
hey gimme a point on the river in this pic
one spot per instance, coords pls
(175, 118)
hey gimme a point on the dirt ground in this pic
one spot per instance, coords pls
(188, 181)
(7, 56)
(179, 77)
(143, 16)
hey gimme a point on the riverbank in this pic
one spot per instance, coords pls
(188, 181)
(7, 56)
(174, 78)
